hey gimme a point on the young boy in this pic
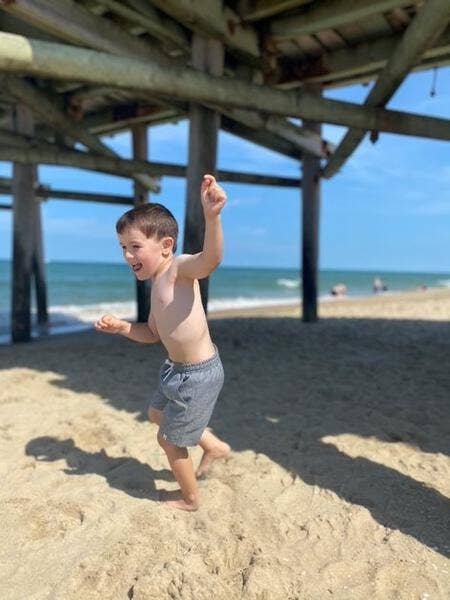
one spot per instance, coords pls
(192, 376)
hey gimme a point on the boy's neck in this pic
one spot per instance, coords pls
(163, 266)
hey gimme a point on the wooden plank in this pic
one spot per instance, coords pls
(428, 24)
(311, 189)
(207, 55)
(344, 64)
(210, 18)
(66, 62)
(24, 211)
(255, 10)
(140, 152)
(330, 14)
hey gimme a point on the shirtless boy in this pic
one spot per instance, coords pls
(191, 378)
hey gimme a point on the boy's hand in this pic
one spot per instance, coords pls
(111, 324)
(213, 197)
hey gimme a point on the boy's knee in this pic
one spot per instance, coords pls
(163, 442)
(169, 448)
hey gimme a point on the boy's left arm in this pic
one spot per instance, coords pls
(198, 266)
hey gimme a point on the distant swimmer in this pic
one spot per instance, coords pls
(340, 289)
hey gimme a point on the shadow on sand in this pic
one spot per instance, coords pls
(288, 386)
(126, 474)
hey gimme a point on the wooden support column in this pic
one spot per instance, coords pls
(310, 223)
(140, 152)
(207, 56)
(24, 206)
(38, 263)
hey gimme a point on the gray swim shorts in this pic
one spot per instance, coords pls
(186, 395)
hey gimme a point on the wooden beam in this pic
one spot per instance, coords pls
(254, 10)
(46, 193)
(210, 18)
(18, 54)
(48, 111)
(310, 228)
(167, 31)
(330, 14)
(24, 204)
(69, 21)
(302, 139)
(204, 125)
(163, 169)
(140, 152)
(428, 23)
(26, 150)
(367, 58)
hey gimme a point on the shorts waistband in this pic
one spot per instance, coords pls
(204, 364)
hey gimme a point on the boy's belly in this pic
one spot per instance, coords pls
(188, 350)
(187, 341)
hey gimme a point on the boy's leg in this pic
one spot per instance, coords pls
(183, 470)
(213, 447)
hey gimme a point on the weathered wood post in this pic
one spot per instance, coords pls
(204, 124)
(311, 184)
(24, 210)
(38, 263)
(140, 152)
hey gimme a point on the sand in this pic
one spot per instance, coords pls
(337, 487)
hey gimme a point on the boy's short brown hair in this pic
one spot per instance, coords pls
(152, 219)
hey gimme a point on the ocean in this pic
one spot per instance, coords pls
(78, 293)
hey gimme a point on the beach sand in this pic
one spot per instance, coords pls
(337, 486)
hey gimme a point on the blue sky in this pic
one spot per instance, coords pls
(388, 208)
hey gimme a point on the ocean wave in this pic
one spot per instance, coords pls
(72, 317)
(289, 283)
(244, 302)
(444, 283)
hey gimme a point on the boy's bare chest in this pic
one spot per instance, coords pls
(170, 296)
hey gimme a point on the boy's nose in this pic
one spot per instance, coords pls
(128, 255)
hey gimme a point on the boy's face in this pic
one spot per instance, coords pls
(144, 255)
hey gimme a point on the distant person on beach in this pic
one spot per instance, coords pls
(379, 286)
(191, 378)
(340, 289)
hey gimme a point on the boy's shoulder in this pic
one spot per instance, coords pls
(177, 264)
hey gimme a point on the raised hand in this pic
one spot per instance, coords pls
(110, 324)
(213, 196)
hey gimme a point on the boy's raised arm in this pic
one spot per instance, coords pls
(197, 266)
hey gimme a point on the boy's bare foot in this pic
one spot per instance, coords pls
(175, 500)
(220, 450)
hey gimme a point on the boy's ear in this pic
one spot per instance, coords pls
(167, 245)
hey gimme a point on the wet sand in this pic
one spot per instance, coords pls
(338, 485)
